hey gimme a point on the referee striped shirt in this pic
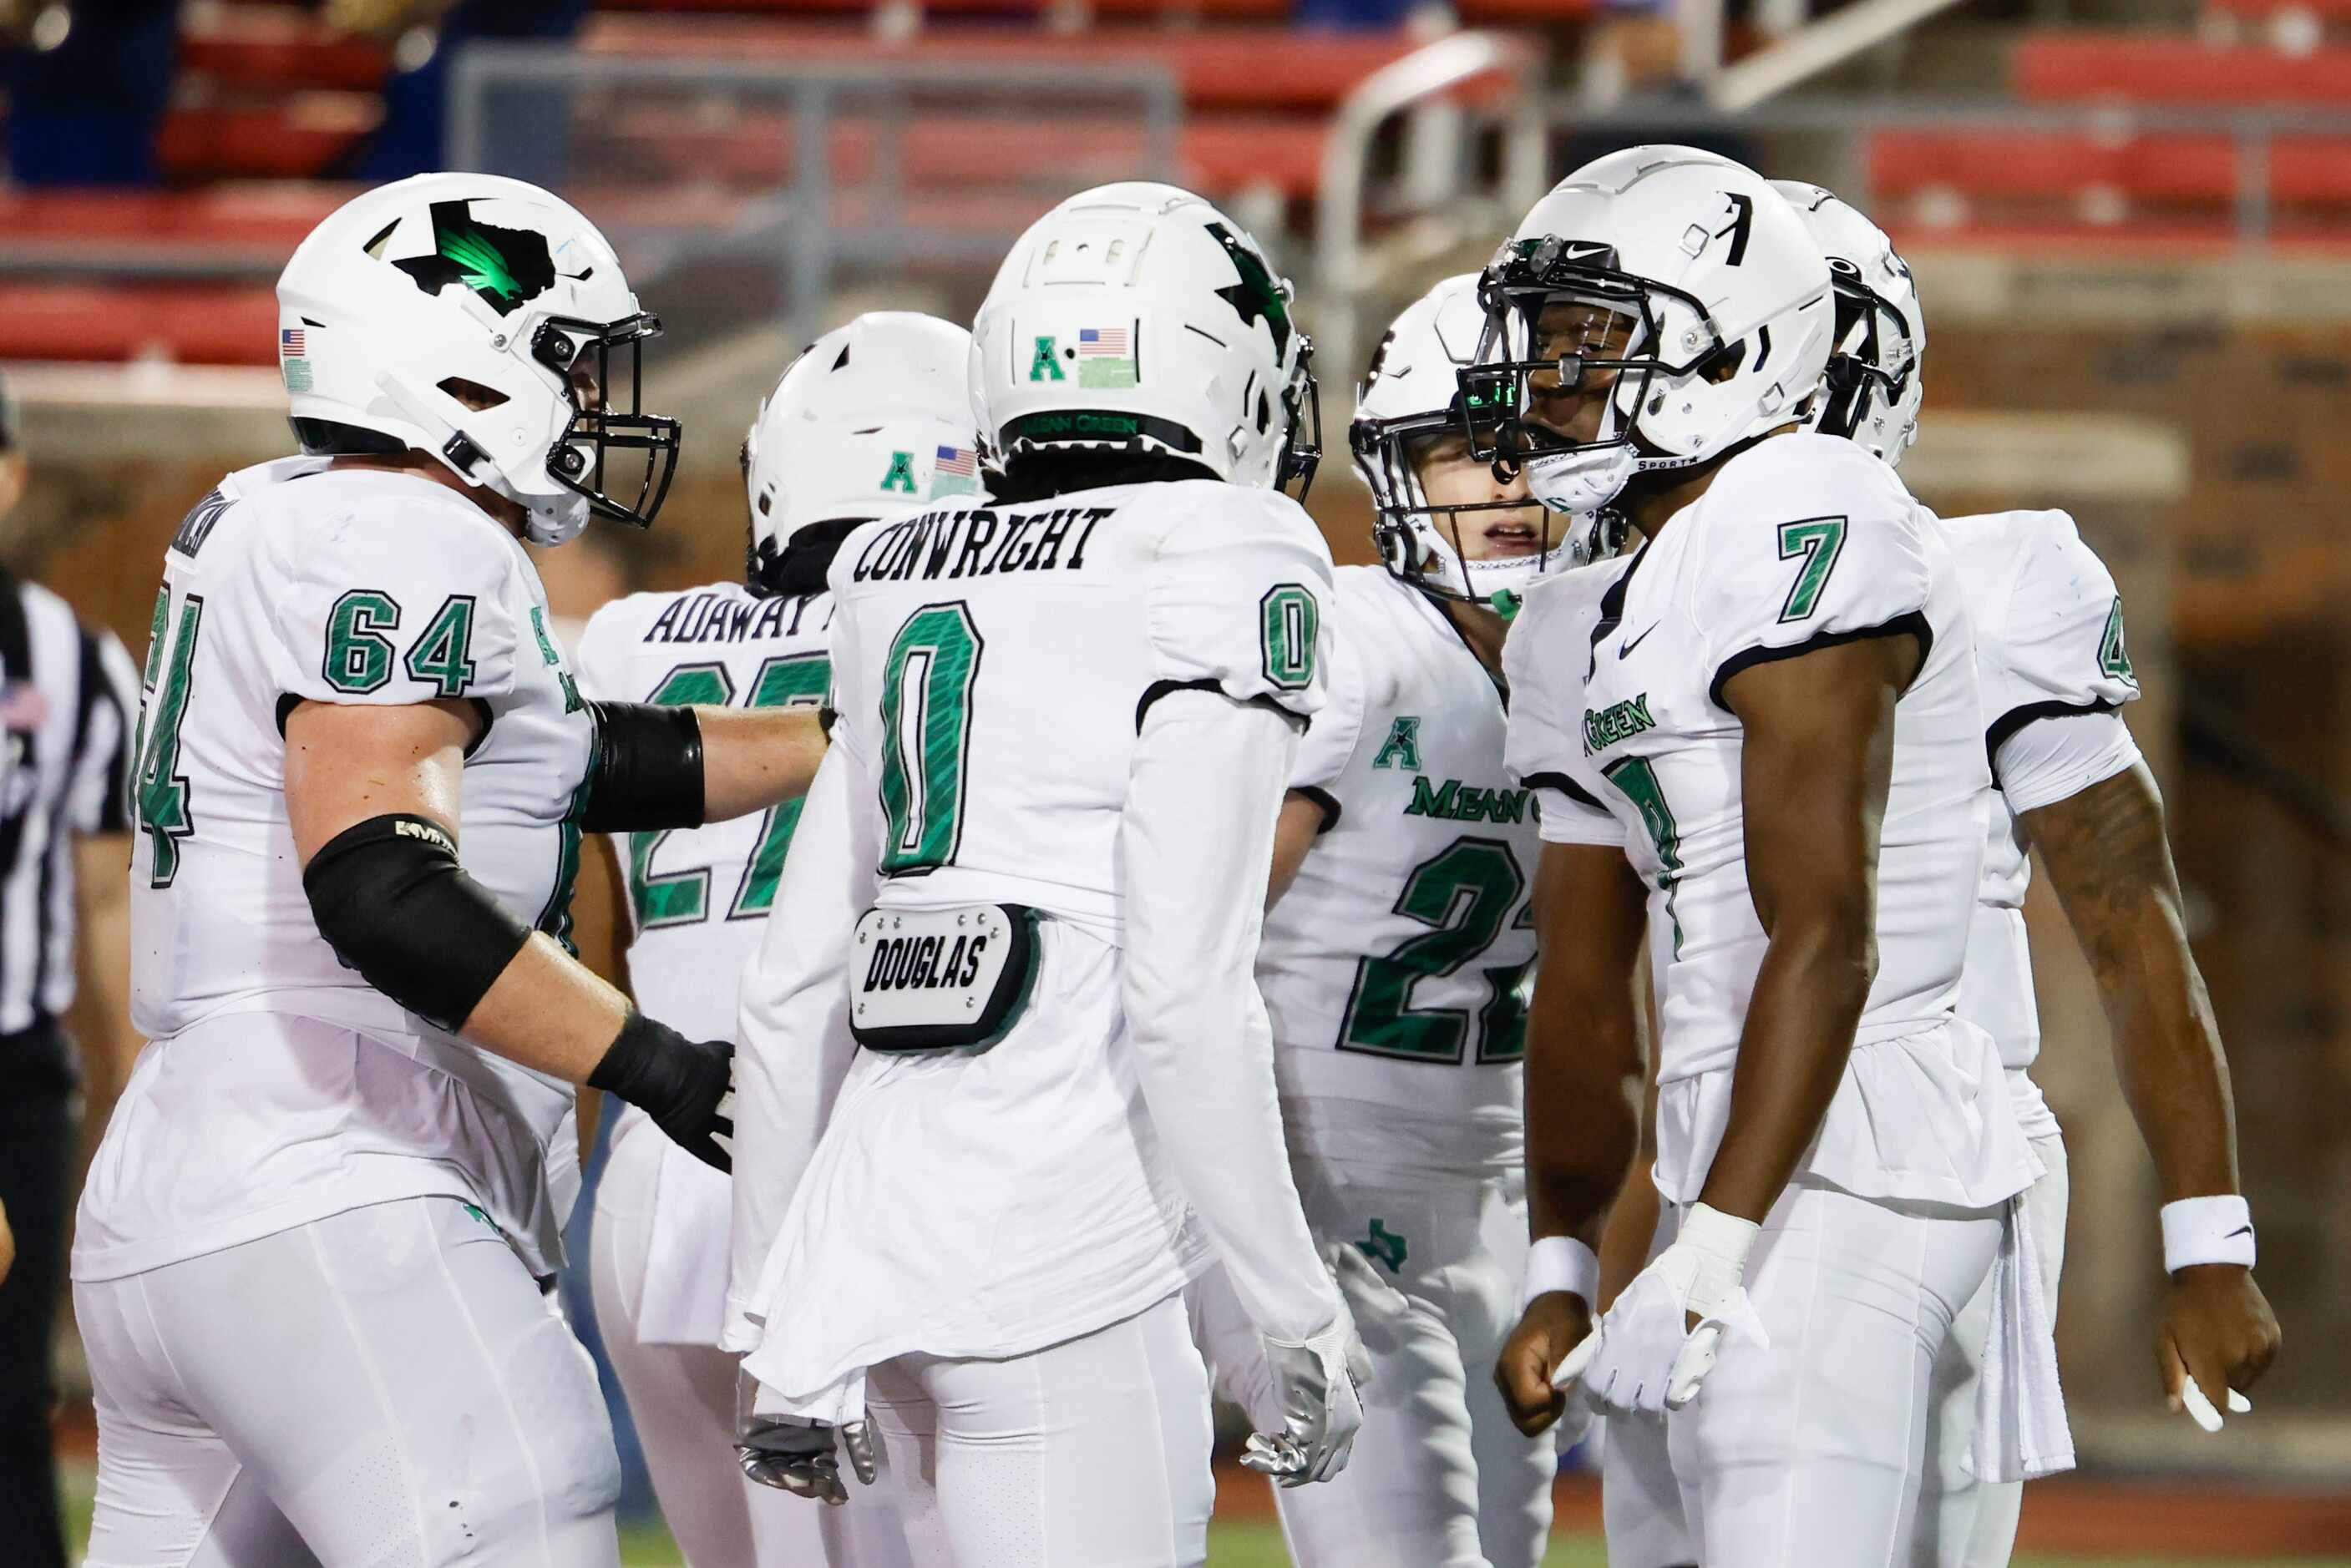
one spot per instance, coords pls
(68, 700)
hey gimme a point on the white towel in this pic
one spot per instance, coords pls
(2021, 1429)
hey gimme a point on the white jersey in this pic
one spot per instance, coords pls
(1395, 966)
(2049, 645)
(992, 665)
(292, 583)
(698, 897)
(1801, 541)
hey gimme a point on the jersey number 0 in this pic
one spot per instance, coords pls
(926, 690)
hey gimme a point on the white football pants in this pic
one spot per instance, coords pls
(386, 1387)
(1439, 1478)
(1975, 1522)
(1813, 1453)
(683, 1400)
(1092, 1453)
(1640, 1502)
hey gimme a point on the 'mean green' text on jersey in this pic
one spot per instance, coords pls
(293, 583)
(1395, 967)
(2049, 647)
(1618, 708)
(697, 896)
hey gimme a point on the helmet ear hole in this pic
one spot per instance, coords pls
(473, 394)
(1723, 363)
(1264, 411)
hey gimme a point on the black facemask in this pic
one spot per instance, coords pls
(582, 461)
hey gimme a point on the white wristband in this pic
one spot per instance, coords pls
(2208, 1230)
(1563, 1263)
(1721, 1242)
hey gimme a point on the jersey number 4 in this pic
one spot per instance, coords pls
(680, 898)
(162, 803)
(1464, 893)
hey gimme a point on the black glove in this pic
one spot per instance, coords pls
(687, 1086)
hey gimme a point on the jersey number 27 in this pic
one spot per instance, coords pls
(681, 898)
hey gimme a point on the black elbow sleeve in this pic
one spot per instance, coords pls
(392, 900)
(647, 771)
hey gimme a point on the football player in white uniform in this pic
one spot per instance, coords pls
(310, 1256)
(1394, 967)
(1773, 710)
(872, 417)
(2055, 671)
(1028, 884)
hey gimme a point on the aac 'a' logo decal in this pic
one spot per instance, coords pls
(505, 266)
(1045, 363)
(900, 476)
(2114, 651)
(1402, 748)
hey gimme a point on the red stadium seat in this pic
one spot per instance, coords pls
(2312, 172)
(1217, 68)
(2157, 67)
(1522, 12)
(2327, 10)
(1020, 10)
(755, 152)
(263, 219)
(1184, 10)
(278, 46)
(2188, 168)
(209, 325)
(2149, 171)
(303, 137)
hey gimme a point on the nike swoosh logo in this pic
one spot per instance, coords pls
(2240, 1231)
(1625, 649)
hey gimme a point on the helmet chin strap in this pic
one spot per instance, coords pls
(450, 444)
(545, 520)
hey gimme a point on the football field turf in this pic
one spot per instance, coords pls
(1253, 1542)
(1249, 1544)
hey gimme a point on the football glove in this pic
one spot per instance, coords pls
(1380, 1310)
(2199, 1408)
(1318, 1382)
(687, 1086)
(797, 1455)
(1645, 1355)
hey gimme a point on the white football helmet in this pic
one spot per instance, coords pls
(872, 417)
(1877, 365)
(1413, 397)
(445, 284)
(1136, 318)
(1683, 287)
